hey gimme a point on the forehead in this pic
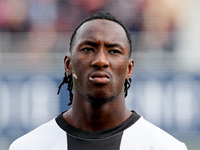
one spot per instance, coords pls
(103, 30)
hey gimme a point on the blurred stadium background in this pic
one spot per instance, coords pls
(34, 37)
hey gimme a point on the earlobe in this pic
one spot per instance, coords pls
(67, 65)
(130, 69)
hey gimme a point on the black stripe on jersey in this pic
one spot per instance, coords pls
(96, 134)
(111, 143)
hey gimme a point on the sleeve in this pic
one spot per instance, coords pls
(184, 147)
(17, 146)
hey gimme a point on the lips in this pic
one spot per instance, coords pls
(99, 77)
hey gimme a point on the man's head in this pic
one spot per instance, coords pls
(99, 63)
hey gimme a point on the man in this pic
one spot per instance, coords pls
(98, 68)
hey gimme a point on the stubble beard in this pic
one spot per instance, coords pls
(97, 101)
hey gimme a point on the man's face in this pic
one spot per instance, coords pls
(99, 61)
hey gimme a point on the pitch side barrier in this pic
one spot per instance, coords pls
(169, 101)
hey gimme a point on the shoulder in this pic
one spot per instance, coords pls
(149, 135)
(42, 136)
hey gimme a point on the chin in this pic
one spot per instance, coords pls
(99, 100)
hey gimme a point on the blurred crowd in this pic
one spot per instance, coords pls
(64, 15)
(158, 17)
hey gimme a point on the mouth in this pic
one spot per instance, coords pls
(99, 77)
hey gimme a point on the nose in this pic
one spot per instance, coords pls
(100, 60)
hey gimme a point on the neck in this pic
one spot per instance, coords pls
(84, 116)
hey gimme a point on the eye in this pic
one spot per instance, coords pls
(87, 49)
(115, 51)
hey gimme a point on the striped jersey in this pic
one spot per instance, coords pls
(135, 133)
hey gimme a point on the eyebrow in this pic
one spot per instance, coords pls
(110, 45)
(91, 43)
(95, 44)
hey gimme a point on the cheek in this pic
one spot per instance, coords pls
(79, 70)
(76, 70)
(121, 69)
(77, 66)
(78, 74)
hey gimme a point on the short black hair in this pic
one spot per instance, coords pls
(106, 16)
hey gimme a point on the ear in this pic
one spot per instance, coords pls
(130, 69)
(67, 65)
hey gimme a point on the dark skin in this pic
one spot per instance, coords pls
(99, 63)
